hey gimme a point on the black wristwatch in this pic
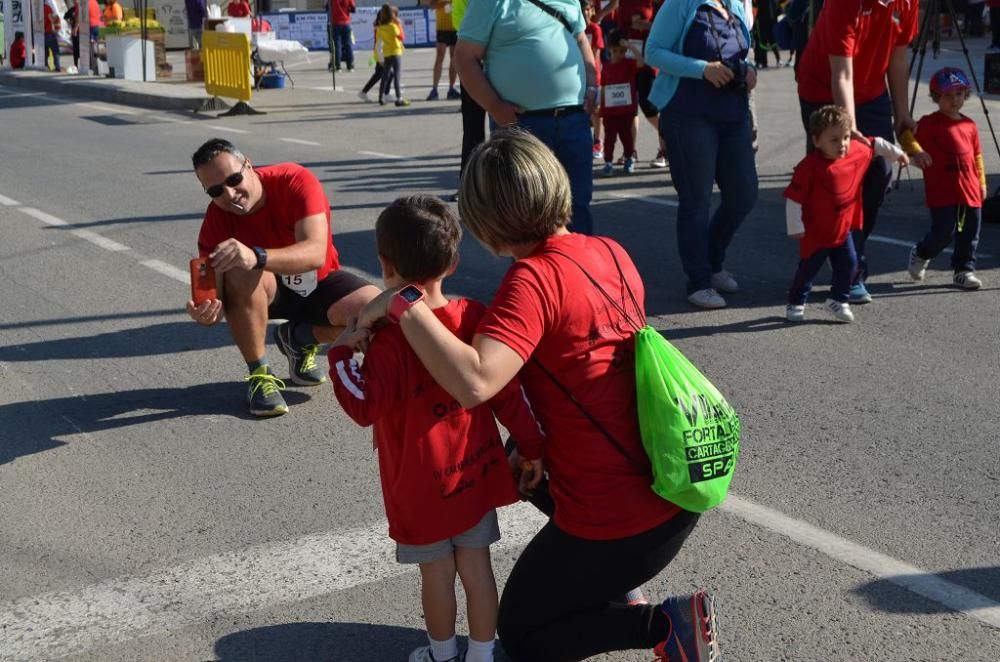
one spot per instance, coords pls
(261, 257)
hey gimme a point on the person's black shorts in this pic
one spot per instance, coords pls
(643, 84)
(312, 309)
(447, 37)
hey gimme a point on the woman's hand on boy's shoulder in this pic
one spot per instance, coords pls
(353, 337)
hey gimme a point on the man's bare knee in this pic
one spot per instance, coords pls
(350, 305)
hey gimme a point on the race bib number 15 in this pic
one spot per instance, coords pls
(301, 284)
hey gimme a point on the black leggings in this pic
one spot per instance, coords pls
(473, 127)
(376, 77)
(390, 75)
(556, 604)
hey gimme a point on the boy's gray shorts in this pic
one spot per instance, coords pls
(483, 534)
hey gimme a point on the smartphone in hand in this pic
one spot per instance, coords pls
(202, 281)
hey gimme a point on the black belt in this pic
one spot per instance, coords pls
(553, 112)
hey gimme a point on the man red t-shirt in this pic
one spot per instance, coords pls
(291, 193)
(442, 467)
(953, 176)
(829, 191)
(866, 31)
(239, 9)
(618, 93)
(340, 11)
(547, 309)
(52, 21)
(628, 9)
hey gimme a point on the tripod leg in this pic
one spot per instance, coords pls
(975, 80)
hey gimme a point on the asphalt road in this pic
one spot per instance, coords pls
(146, 516)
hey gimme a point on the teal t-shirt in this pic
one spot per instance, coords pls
(531, 59)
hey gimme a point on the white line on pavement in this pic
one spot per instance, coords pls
(885, 567)
(382, 155)
(225, 128)
(66, 623)
(644, 198)
(299, 141)
(48, 219)
(10, 95)
(103, 242)
(167, 270)
(8, 202)
(175, 120)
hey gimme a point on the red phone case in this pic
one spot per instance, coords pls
(202, 281)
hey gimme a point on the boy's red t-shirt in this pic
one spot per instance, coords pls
(627, 9)
(865, 30)
(618, 91)
(292, 193)
(547, 309)
(596, 35)
(18, 54)
(952, 178)
(51, 20)
(829, 191)
(442, 467)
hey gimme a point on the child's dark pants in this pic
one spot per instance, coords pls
(844, 261)
(615, 127)
(944, 223)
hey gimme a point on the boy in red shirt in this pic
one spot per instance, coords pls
(619, 100)
(823, 206)
(954, 179)
(595, 34)
(443, 468)
(18, 51)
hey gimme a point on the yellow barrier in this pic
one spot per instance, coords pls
(226, 58)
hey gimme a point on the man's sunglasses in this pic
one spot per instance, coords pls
(231, 181)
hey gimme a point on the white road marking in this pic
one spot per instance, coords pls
(10, 95)
(175, 120)
(108, 109)
(48, 219)
(65, 623)
(328, 88)
(299, 141)
(225, 128)
(910, 577)
(8, 202)
(644, 198)
(103, 242)
(168, 270)
(382, 155)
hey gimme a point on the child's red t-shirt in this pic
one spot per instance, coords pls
(618, 92)
(952, 178)
(442, 467)
(829, 191)
(18, 54)
(596, 35)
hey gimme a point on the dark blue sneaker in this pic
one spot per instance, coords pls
(454, 94)
(302, 367)
(693, 634)
(859, 294)
(433, 96)
(264, 394)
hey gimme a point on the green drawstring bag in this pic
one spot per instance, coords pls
(690, 433)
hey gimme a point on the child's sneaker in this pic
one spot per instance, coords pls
(598, 152)
(859, 294)
(402, 102)
(423, 654)
(693, 635)
(724, 282)
(660, 161)
(840, 311)
(433, 96)
(629, 166)
(795, 313)
(608, 170)
(967, 280)
(917, 266)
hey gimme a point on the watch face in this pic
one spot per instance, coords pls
(411, 294)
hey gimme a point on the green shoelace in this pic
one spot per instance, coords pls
(309, 353)
(265, 382)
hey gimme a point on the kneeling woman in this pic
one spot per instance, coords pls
(610, 532)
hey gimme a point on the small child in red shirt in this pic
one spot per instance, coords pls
(18, 51)
(954, 179)
(619, 102)
(823, 206)
(443, 468)
(595, 34)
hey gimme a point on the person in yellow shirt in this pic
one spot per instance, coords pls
(112, 11)
(389, 36)
(447, 37)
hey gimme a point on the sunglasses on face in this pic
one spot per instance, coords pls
(231, 181)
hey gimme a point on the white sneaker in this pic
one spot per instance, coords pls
(707, 298)
(660, 161)
(724, 282)
(840, 311)
(917, 267)
(364, 97)
(423, 654)
(967, 280)
(795, 313)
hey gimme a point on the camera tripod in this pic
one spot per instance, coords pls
(930, 30)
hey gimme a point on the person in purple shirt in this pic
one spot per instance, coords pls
(196, 18)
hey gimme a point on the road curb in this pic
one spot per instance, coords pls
(154, 96)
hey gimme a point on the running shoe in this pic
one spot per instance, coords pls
(967, 280)
(859, 294)
(917, 266)
(423, 654)
(629, 166)
(433, 96)
(693, 634)
(795, 313)
(840, 311)
(264, 393)
(707, 298)
(660, 161)
(402, 102)
(453, 94)
(724, 282)
(608, 170)
(302, 368)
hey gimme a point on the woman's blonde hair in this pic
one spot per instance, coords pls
(513, 191)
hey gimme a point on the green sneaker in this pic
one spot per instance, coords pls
(264, 394)
(302, 368)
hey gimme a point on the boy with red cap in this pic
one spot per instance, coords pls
(954, 179)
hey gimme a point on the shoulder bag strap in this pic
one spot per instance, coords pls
(554, 13)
